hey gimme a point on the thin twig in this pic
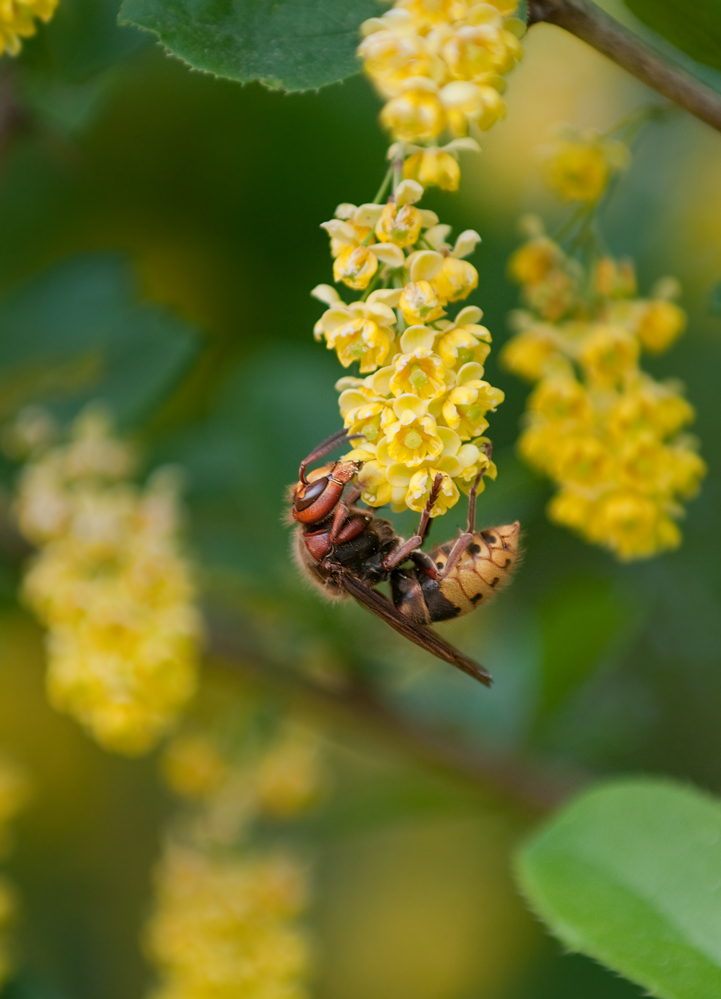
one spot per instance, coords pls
(592, 25)
(529, 786)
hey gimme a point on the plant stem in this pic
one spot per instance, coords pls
(528, 786)
(384, 186)
(593, 26)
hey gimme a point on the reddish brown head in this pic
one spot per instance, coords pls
(316, 499)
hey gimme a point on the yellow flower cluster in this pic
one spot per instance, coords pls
(224, 926)
(277, 782)
(110, 583)
(607, 433)
(17, 20)
(422, 407)
(440, 65)
(578, 166)
(226, 917)
(13, 795)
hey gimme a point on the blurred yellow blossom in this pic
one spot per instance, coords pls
(224, 925)
(111, 585)
(604, 431)
(17, 21)
(226, 912)
(579, 165)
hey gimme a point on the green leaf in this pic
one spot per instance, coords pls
(695, 28)
(286, 44)
(630, 874)
(79, 333)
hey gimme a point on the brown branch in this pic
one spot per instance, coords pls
(592, 25)
(528, 786)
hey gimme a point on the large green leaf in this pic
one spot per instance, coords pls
(79, 332)
(695, 28)
(288, 44)
(630, 874)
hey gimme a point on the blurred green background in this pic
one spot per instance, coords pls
(147, 183)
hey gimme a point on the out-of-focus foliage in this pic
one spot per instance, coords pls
(212, 194)
(78, 333)
(697, 32)
(625, 873)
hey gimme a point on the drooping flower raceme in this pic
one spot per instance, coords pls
(224, 926)
(226, 920)
(18, 21)
(440, 66)
(609, 435)
(422, 406)
(110, 583)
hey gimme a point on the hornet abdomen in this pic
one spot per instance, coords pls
(484, 568)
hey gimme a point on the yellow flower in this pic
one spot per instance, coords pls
(659, 324)
(17, 21)
(226, 925)
(400, 226)
(432, 12)
(614, 278)
(361, 340)
(421, 373)
(608, 353)
(362, 331)
(466, 405)
(351, 227)
(466, 102)
(413, 437)
(686, 469)
(414, 114)
(455, 280)
(579, 167)
(420, 303)
(418, 371)
(528, 353)
(193, 766)
(419, 488)
(289, 776)
(433, 168)
(648, 405)
(355, 266)
(581, 459)
(533, 261)
(476, 51)
(561, 398)
(633, 526)
(374, 482)
(573, 507)
(362, 418)
(464, 340)
(391, 58)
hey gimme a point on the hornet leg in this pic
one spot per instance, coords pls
(466, 537)
(402, 553)
(340, 517)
